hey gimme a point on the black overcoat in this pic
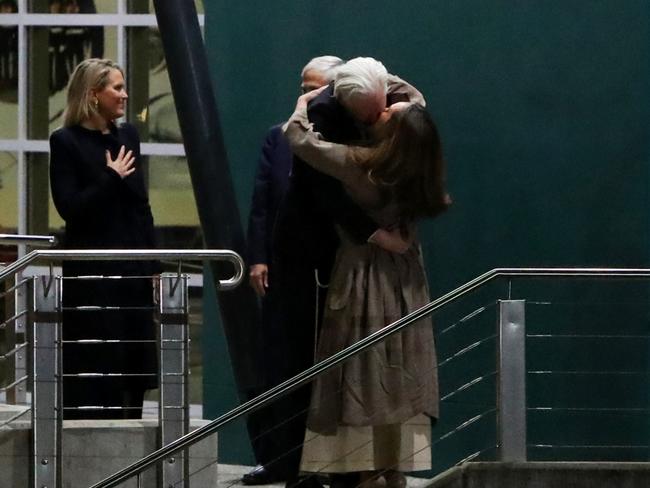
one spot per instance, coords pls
(103, 211)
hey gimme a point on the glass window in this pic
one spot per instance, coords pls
(8, 81)
(170, 192)
(52, 53)
(151, 104)
(8, 192)
(49, 73)
(74, 6)
(172, 202)
(56, 223)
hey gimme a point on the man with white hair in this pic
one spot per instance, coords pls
(319, 71)
(271, 181)
(306, 241)
(361, 85)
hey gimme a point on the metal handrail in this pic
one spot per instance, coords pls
(332, 361)
(133, 254)
(29, 240)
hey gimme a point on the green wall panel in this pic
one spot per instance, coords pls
(543, 109)
(219, 388)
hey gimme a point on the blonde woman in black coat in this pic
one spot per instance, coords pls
(98, 189)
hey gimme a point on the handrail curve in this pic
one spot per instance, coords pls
(332, 361)
(133, 254)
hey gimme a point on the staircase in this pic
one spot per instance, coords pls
(545, 475)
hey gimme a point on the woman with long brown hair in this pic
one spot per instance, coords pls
(373, 414)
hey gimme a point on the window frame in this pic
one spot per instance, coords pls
(21, 145)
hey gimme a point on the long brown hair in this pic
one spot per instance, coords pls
(407, 164)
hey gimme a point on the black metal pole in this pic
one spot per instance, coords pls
(210, 173)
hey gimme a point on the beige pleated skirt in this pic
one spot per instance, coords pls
(396, 379)
(403, 447)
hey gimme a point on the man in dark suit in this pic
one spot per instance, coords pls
(271, 182)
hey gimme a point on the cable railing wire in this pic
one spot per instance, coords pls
(15, 287)
(14, 384)
(617, 410)
(13, 352)
(587, 446)
(587, 336)
(468, 385)
(466, 349)
(594, 373)
(13, 318)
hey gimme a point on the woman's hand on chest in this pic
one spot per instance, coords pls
(123, 164)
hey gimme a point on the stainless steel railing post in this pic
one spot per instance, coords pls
(46, 399)
(19, 334)
(173, 401)
(511, 396)
(18, 394)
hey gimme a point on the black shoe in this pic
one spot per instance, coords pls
(344, 480)
(260, 476)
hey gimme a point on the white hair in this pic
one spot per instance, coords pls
(326, 65)
(360, 77)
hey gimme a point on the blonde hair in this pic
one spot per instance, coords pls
(88, 75)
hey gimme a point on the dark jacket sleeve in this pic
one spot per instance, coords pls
(329, 195)
(260, 220)
(74, 202)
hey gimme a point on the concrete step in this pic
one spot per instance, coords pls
(94, 449)
(8, 412)
(545, 475)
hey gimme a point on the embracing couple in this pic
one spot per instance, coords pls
(368, 165)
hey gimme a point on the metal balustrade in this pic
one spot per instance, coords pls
(16, 322)
(27, 240)
(494, 336)
(38, 330)
(499, 425)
